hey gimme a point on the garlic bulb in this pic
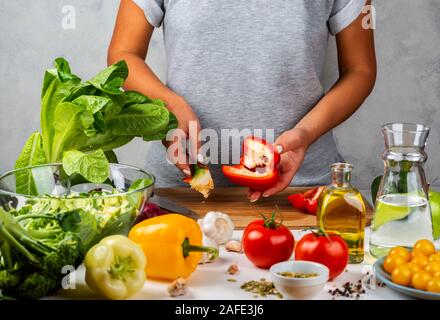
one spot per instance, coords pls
(218, 226)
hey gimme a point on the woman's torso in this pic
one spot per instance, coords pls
(244, 64)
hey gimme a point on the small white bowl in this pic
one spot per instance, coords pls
(299, 288)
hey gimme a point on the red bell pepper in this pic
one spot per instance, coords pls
(307, 201)
(258, 152)
(258, 165)
(260, 179)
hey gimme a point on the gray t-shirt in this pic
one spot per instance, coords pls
(249, 64)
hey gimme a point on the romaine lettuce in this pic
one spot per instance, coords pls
(82, 122)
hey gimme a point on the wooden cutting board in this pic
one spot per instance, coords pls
(233, 201)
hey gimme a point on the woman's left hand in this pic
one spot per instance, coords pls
(292, 146)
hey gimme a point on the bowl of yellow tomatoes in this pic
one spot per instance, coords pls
(415, 272)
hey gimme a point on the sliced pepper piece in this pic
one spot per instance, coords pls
(172, 244)
(307, 201)
(298, 201)
(258, 166)
(200, 180)
(258, 152)
(115, 267)
(261, 179)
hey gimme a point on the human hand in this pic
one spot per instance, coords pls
(184, 142)
(292, 145)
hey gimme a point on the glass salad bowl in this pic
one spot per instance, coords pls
(47, 189)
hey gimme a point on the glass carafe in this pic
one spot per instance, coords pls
(402, 212)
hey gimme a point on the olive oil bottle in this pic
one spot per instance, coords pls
(341, 211)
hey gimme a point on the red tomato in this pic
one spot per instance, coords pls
(330, 250)
(266, 243)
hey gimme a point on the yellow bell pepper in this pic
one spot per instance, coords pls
(172, 244)
(115, 267)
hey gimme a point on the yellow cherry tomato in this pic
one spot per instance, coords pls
(434, 285)
(421, 279)
(435, 257)
(400, 251)
(391, 262)
(424, 247)
(412, 255)
(402, 275)
(436, 275)
(433, 267)
(414, 267)
(421, 260)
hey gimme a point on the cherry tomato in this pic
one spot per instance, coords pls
(414, 267)
(412, 255)
(434, 285)
(424, 247)
(420, 260)
(266, 242)
(436, 275)
(329, 250)
(435, 257)
(433, 267)
(400, 251)
(391, 262)
(402, 275)
(421, 279)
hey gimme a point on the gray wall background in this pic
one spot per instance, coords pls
(407, 89)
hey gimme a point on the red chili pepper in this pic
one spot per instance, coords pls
(307, 201)
(258, 165)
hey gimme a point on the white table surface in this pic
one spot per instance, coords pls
(209, 281)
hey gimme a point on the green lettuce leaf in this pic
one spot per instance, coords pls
(111, 79)
(158, 102)
(83, 223)
(140, 184)
(139, 120)
(92, 103)
(161, 135)
(132, 97)
(58, 84)
(64, 72)
(67, 124)
(105, 141)
(32, 154)
(92, 166)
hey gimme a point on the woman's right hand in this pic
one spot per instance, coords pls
(183, 143)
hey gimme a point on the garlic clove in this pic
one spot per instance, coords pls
(234, 246)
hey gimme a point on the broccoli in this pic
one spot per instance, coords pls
(35, 286)
(33, 250)
(9, 278)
